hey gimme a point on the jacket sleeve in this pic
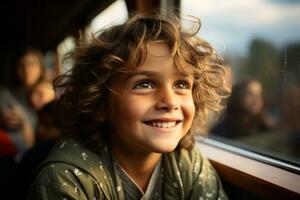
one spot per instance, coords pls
(62, 182)
(206, 182)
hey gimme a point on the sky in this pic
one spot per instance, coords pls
(230, 25)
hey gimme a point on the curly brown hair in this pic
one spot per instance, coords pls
(121, 49)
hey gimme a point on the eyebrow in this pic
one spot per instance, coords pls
(152, 73)
(144, 72)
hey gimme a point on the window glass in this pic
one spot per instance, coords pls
(260, 39)
(104, 19)
(67, 45)
(108, 17)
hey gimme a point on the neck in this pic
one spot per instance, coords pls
(138, 165)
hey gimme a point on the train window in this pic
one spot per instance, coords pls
(108, 17)
(261, 41)
(67, 45)
(104, 19)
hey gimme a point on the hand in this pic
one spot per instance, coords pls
(12, 117)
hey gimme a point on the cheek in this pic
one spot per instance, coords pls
(34, 98)
(246, 102)
(188, 107)
(47, 94)
(34, 71)
(253, 103)
(126, 110)
(135, 108)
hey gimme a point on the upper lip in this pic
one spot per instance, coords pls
(165, 119)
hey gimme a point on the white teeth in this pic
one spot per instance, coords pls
(163, 124)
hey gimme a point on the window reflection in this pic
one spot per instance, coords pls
(261, 41)
(245, 114)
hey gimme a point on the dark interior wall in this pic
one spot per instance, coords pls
(142, 6)
(8, 37)
(41, 24)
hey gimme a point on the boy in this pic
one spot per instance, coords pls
(126, 110)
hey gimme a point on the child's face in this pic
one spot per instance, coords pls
(29, 69)
(154, 108)
(253, 99)
(42, 94)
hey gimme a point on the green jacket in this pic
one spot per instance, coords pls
(74, 172)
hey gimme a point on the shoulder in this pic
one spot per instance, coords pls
(71, 151)
(61, 180)
(69, 171)
(57, 175)
(194, 164)
(181, 168)
(197, 176)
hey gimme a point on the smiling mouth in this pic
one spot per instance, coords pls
(163, 124)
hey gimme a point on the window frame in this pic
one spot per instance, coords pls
(248, 171)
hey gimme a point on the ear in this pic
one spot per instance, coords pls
(100, 116)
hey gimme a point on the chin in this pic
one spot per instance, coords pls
(166, 148)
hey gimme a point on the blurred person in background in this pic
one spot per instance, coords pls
(41, 94)
(17, 115)
(245, 114)
(46, 136)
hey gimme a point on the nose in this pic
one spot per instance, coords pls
(167, 100)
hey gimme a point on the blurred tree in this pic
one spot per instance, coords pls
(263, 63)
(290, 57)
(275, 69)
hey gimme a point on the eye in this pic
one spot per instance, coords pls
(182, 84)
(144, 84)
